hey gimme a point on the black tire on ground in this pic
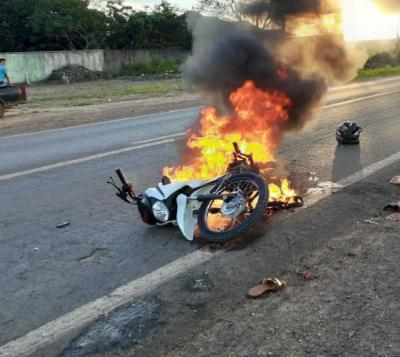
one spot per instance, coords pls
(1, 110)
(255, 216)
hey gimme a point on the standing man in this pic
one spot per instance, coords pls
(4, 79)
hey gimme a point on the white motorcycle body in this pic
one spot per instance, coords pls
(187, 206)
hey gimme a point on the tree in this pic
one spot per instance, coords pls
(14, 25)
(169, 28)
(68, 24)
(30, 25)
(236, 10)
(162, 28)
(118, 15)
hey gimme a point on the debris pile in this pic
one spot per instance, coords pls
(382, 59)
(75, 73)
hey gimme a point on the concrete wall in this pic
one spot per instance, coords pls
(115, 59)
(29, 67)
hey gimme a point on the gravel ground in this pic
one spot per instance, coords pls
(352, 310)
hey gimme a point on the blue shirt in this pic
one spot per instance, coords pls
(3, 72)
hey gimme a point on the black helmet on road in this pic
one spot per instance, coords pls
(348, 133)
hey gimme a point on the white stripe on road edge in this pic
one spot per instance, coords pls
(136, 146)
(52, 331)
(369, 170)
(111, 121)
(61, 327)
(328, 106)
(358, 176)
(153, 142)
(364, 83)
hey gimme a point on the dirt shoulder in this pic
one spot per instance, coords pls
(351, 310)
(58, 106)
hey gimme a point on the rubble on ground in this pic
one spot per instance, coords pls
(382, 59)
(75, 73)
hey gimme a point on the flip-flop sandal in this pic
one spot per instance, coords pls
(268, 286)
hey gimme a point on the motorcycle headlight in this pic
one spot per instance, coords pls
(160, 211)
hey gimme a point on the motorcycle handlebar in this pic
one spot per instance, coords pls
(121, 176)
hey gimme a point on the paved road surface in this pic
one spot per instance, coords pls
(51, 177)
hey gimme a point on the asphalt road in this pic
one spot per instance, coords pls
(51, 177)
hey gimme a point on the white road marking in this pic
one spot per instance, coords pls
(153, 142)
(135, 146)
(369, 170)
(328, 106)
(364, 83)
(350, 180)
(52, 331)
(61, 327)
(101, 122)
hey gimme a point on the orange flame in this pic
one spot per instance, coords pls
(255, 124)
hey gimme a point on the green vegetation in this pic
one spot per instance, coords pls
(155, 67)
(381, 64)
(32, 25)
(149, 88)
(377, 72)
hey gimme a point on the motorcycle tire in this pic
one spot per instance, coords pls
(255, 216)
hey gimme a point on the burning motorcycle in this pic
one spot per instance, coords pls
(223, 208)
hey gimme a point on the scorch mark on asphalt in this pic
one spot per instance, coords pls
(61, 327)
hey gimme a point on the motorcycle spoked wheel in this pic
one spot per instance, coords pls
(216, 227)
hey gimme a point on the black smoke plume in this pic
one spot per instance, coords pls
(220, 67)
(277, 10)
(226, 54)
